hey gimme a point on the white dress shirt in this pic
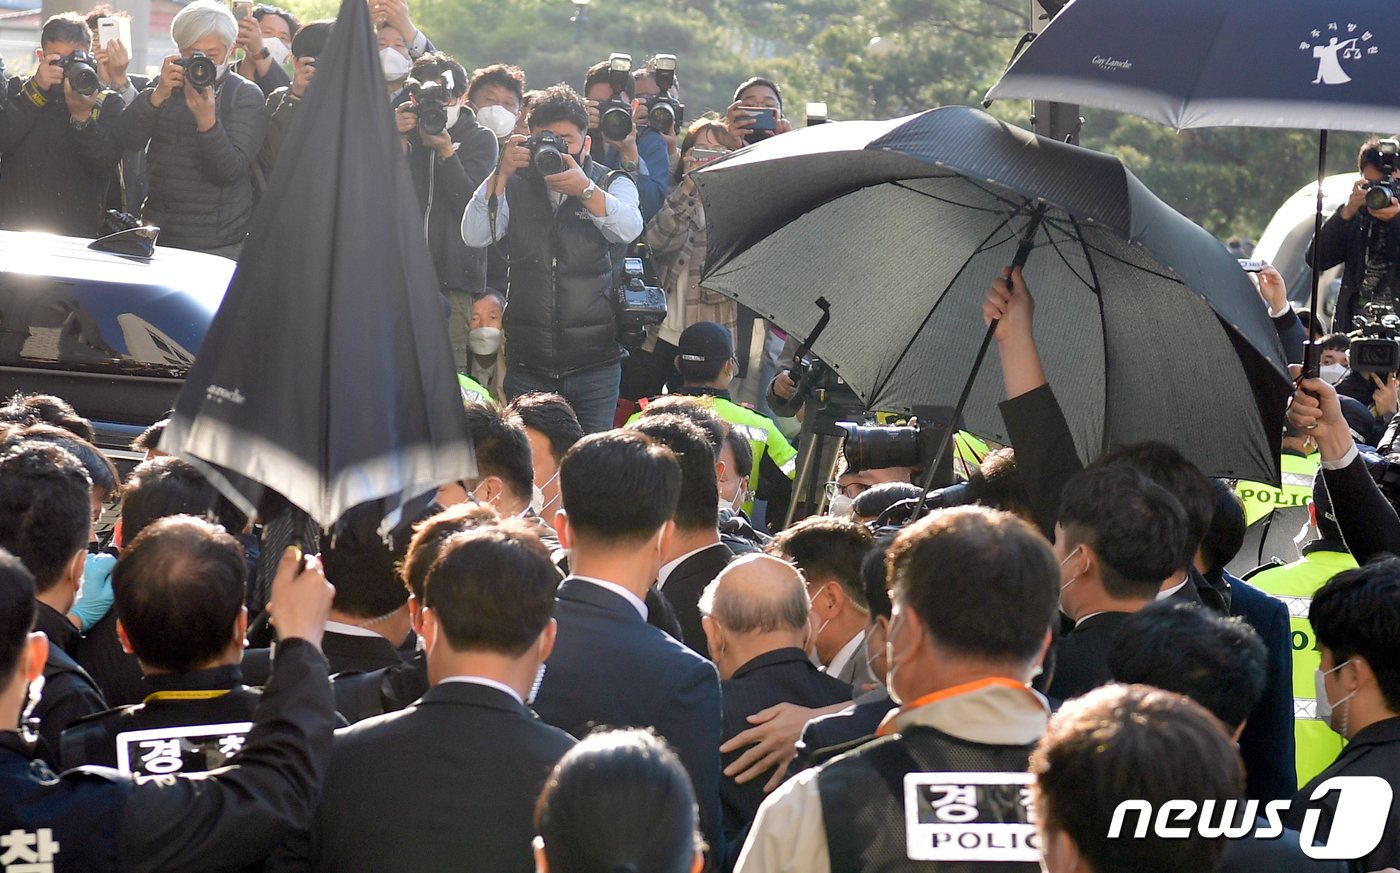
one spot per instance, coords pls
(489, 683)
(620, 223)
(637, 603)
(843, 657)
(670, 566)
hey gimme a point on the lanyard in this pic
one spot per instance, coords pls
(184, 695)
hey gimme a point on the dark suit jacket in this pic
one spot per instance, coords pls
(115, 671)
(1267, 744)
(1250, 855)
(610, 668)
(345, 653)
(449, 783)
(779, 676)
(1081, 656)
(684, 587)
(827, 733)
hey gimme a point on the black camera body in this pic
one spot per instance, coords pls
(664, 112)
(200, 71)
(547, 152)
(876, 447)
(430, 105)
(615, 113)
(638, 305)
(81, 72)
(1375, 346)
(1380, 193)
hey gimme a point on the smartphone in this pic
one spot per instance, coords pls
(1252, 265)
(701, 157)
(242, 9)
(764, 119)
(110, 30)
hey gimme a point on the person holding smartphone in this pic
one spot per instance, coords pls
(756, 113)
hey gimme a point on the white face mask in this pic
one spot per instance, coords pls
(277, 50)
(842, 506)
(1332, 373)
(482, 340)
(497, 119)
(453, 113)
(537, 503)
(395, 65)
(1325, 707)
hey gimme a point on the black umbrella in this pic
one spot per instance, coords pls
(1148, 328)
(327, 374)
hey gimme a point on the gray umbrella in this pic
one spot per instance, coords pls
(1148, 328)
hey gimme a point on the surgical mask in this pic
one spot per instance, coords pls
(535, 686)
(482, 340)
(1325, 707)
(497, 119)
(453, 113)
(277, 50)
(396, 66)
(812, 640)
(537, 502)
(220, 70)
(1332, 373)
(842, 506)
(1073, 579)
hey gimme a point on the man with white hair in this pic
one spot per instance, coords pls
(201, 137)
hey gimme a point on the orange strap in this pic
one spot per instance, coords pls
(947, 693)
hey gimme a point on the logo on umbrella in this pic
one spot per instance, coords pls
(1342, 43)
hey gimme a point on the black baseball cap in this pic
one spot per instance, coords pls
(705, 342)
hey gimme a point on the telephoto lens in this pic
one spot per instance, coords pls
(81, 74)
(616, 120)
(546, 153)
(199, 70)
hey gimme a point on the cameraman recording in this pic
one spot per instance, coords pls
(1360, 235)
(202, 126)
(567, 213)
(621, 144)
(57, 137)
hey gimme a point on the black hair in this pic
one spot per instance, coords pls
(1225, 535)
(429, 535)
(1133, 524)
(700, 125)
(700, 411)
(1336, 342)
(877, 584)
(508, 76)
(178, 589)
(311, 39)
(18, 611)
(983, 582)
(697, 506)
(1000, 485)
(66, 27)
(149, 439)
(1218, 662)
(100, 468)
(362, 565)
(619, 801)
(1369, 155)
(262, 10)
(742, 450)
(492, 588)
(45, 509)
(436, 65)
(167, 485)
(619, 486)
(559, 103)
(759, 80)
(502, 449)
(596, 74)
(1358, 613)
(1169, 468)
(551, 415)
(47, 408)
(824, 547)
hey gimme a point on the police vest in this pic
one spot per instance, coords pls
(925, 800)
(73, 823)
(1295, 584)
(473, 392)
(1261, 499)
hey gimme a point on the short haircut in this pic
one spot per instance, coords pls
(167, 486)
(312, 38)
(99, 467)
(1132, 742)
(508, 76)
(619, 486)
(492, 588)
(742, 450)
(1168, 467)
(1133, 524)
(699, 410)
(559, 103)
(362, 565)
(262, 10)
(200, 19)
(551, 415)
(1358, 613)
(149, 439)
(429, 535)
(1336, 342)
(877, 583)
(45, 509)
(824, 548)
(502, 449)
(66, 27)
(783, 605)
(1218, 662)
(983, 582)
(17, 611)
(697, 507)
(47, 409)
(619, 800)
(597, 75)
(178, 589)
(759, 80)
(1369, 155)
(437, 65)
(1000, 485)
(1225, 535)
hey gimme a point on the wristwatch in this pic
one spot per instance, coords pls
(588, 192)
(629, 166)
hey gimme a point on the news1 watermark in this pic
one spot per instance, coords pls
(1358, 823)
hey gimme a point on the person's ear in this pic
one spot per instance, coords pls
(75, 569)
(563, 530)
(494, 489)
(719, 471)
(834, 596)
(547, 638)
(665, 535)
(714, 640)
(36, 655)
(124, 639)
(240, 629)
(430, 628)
(1362, 670)
(415, 614)
(587, 144)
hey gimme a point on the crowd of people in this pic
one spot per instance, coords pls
(605, 652)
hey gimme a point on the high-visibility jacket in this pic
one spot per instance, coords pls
(473, 392)
(1295, 584)
(1260, 499)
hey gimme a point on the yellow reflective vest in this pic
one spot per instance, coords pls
(1260, 499)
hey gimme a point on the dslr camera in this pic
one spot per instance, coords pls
(546, 152)
(1380, 193)
(875, 447)
(199, 70)
(430, 105)
(1375, 347)
(615, 113)
(81, 72)
(664, 112)
(638, 304)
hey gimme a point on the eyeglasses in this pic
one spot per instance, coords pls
(851, 490)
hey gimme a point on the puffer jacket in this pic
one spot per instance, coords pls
(201, 184)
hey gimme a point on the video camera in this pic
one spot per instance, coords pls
(547, 153)
(637, 304)
(430, 105)
(81, 72)
(664, 112)
(1380, 193)
(1375, 346)
(200, 71)
(615, 113)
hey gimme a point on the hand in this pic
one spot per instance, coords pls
(594, 118)
(1316, 411)
(772, 743)
(301, 599)
(783, 386)
(627, 146)
(441, 143)
(405, 118)
(201, 104)
(687, 186)
(514, 157)
(640, 116)
(395, 14)
(112, 62)
(1386, 213)
(250, 37)
(79, 107)
(48, 73)
(1273, 289)
(304, 69)
(571, 182)
(1011, 306)
(95, 596)
(1356, 200)
(782, 126)
(737, 123)
(172, 76)
(1383, 398)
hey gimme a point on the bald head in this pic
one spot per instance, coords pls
(757, 594)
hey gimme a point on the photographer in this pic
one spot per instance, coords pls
(200, 142)
(127, 190)
(645, 90)
(641, 154)
(58, 145)
(561, 330)
(496, 94)
(266, 39)
(1363, 239)
(309, 42)
(756, 113)
(447, 166)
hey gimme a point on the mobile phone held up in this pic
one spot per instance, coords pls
(242, 9)
(110, 30)
(1252, 265)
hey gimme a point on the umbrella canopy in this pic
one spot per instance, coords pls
(1148, 328)
(1220, 63)
(327, 374)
